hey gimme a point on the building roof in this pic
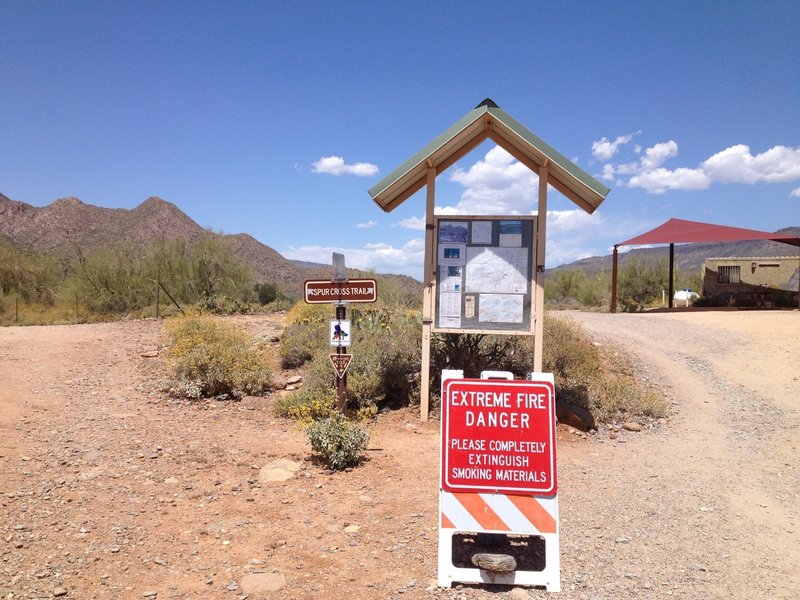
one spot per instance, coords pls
(487, 120)
(678, 231)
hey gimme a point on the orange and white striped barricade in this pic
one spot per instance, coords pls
(498, 489)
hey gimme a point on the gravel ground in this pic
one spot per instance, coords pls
(110, 490)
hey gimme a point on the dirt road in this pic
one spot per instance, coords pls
(110, 490)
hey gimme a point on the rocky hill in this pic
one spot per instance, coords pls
(57, 228)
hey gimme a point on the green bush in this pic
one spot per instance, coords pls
(340, 443)
(209, 357)
(385, 365)
(306, 333)
(309, 404)
(267, 292)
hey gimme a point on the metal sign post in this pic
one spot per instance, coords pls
(341, 380)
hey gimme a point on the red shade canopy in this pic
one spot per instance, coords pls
(677, 231)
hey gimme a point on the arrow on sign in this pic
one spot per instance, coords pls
(340, 362)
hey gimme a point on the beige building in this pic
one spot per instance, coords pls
(759, 282)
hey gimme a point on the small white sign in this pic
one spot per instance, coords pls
(339, 336)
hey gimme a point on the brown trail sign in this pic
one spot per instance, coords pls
(323, 291)
(340, 363)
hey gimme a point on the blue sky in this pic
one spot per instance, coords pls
(275, 118)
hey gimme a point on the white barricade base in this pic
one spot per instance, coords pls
(449, 511)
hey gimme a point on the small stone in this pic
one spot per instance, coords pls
(149, 354)
(519, 594)
(150, 594)
(622, 540)
(171, 480)
(262, 583)
(496, 563)
(232, 586)
(278, 470)
(365, 499)
(699, 567)
(294, 380)
(352, 528)
(632, 426)
(60, 591)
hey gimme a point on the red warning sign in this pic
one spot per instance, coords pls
(498, 436)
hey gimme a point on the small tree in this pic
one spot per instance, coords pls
(267, 292)
(641, 282)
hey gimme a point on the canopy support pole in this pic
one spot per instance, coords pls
(614, 266)
(671, 273)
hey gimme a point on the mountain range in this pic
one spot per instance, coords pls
(56, 228)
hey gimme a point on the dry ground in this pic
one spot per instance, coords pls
(110, 490)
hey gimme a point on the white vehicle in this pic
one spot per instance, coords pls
(686, 295)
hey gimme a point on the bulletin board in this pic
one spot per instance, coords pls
(484, 273)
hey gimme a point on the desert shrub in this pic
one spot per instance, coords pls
(641, 282)
(223, 305)
(309, 404)
(711, 301)
(384, 369)
(618, 397)
(306, 333)
(267, 293)
(209, 357)
(340, 443)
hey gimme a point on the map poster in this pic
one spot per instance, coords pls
(484, 274)
(497, 270)
(500, 308)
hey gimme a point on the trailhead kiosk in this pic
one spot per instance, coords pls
(483, 274)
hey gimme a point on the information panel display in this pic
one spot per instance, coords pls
(484, 269)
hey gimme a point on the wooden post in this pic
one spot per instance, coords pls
(158, 291)
(614, 266)
(428, 280)
(538, 293)
(671, 273)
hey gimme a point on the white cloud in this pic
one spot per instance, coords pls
(604, 150)
(498, 185)
(795, 193)
(415, 223)
(335, 165)
(658, 181)
(570, 235)
(655, 156)
(737, 165)
(367, 225)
